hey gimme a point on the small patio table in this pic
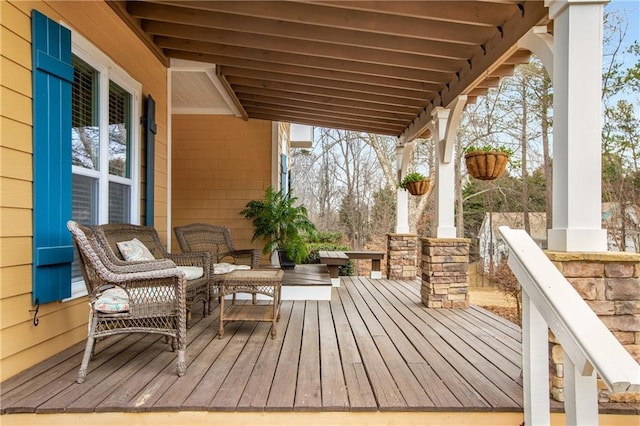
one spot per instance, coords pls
(253, 281)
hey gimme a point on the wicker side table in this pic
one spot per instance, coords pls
(253, 281)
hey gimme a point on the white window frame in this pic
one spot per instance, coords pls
(109, 71)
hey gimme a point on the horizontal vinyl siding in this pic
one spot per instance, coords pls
(220, 162)
(60, 324)
(15, 181)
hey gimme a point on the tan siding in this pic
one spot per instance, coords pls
(17, 77)
(15, 47)
(220, 162)
(15, 280)
(16, 164)
(61, 324)
(15, 105)
(15, 251)
(46, 348)
(15, 222)
(18, 19)
(15, 135)
(15, 193)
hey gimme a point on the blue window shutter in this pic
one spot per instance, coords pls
(52, 78)
(150, 137)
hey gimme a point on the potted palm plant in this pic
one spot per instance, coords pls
(487, 162)
(416, 183)
(283, 225)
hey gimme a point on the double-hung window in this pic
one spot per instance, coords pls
(104, 142)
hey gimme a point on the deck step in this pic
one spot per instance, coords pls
(304, 282)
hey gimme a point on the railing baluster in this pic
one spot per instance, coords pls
(549, 301)
(535, 353)
(580, 396)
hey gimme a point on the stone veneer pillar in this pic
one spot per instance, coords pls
(610, 283)
(402, 256)
(445, 272)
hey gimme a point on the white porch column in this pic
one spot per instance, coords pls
(402, 196)
(444, 126)
(577, 78)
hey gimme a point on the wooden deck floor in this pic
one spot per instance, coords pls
(373, 347)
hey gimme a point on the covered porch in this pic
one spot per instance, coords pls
(374, 348)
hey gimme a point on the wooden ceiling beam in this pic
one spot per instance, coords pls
(370, 128)
(331, 17)
(329, 100)
(259, 26)
(327, 111)
(313, 104)
(232, 95)
(496, 51)
(204, 49)
(324, 91)
(325, 83)
(502, 71)
(490, 81)
(468, 12)
(390, 127)
(520, 57)
(257, 65)
(119, 7)
(302, 47)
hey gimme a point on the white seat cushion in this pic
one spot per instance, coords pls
(225, 268)
(192, 272)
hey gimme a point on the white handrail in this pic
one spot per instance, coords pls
(585, 339)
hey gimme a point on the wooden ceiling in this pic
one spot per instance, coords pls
(372, 66)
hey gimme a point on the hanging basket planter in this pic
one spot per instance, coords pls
(420, 187)
(486, 165)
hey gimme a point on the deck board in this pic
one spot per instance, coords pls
(283, 389)
(460, 392)
(175, 395)
(308, 386)
(198, 337)
(489, 381)
(231, 390)
(332, 380)
(359, 390)
(256, 392)
(203, 394)
(386, 391)
(373, 347)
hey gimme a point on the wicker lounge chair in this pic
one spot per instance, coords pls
(216, 240)
(197, 290)
(146, 297)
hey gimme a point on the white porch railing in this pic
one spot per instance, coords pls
(549, 301)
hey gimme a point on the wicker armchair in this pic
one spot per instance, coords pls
(197, 290)
(216, 240)
(154, 302)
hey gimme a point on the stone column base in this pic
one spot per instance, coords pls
(610, 284)
(402, 256)
(445, 272)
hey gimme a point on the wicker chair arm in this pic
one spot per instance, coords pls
(249, 257)
(128, 267)
(172, 273)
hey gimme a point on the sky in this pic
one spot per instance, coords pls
(631, 8)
